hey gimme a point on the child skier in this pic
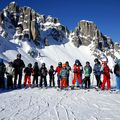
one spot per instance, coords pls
(35, 73)
(63, 76)
(27, 77)
(106, 75)
(97, 72)
(81, 72)
(43, 74)
(117, 73)
(88, 71)
(10, 73)
(58, 69)
(68, 72)
(51, 76)
(77, 74)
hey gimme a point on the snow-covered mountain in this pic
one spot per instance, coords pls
(44, 39)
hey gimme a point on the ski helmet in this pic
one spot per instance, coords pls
(96, 60)
(18, 55)
(36, 63)
(43, 64)
(51, 67)
(77, 62)
(87, 63)
(29, 65)
(67, 63)
(60, 64)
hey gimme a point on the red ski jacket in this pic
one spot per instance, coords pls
(76, 69)
(58, 69)
(106, 71)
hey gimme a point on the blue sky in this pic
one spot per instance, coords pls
(105, 13)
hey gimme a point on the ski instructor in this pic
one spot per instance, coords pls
(18, 65)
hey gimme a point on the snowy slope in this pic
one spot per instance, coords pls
(50, 104)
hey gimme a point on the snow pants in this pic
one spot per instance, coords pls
(58, 81)
(19, 80)
(67, 82)
(106, 79)
(87, 82)
(63, 83)
(99, 83)
(118, 82)
(27, 78)
(43, 79)
(9, 81)
(77, 83)
(52, 81)
(77, 77)
(35, 80)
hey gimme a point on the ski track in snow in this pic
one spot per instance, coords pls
(50, 104)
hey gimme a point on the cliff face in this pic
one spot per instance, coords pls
(23, 23)
(87, 32)
(28, 24)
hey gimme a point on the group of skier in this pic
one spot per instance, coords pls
(15, 69)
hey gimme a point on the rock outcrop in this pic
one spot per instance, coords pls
(87, 32)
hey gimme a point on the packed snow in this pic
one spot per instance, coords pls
(50, 104)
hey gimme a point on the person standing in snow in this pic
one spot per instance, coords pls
(97, 72)
(35, 74)
(43, 75)
(117, 73)
(106, 75)
(10, 73)
(58, 69)
(77, 74)
(63, 76)
(2, 73)
(51, 76)
(27, 77)
(87, 71)
(81, 72)
(18, 65)
(68, 72)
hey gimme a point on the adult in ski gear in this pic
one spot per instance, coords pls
(10, 73)
(88, 71)
(58, 69)
(27, 77)
(35, 74)
(106, 75)
(77, 74)
(43, 74)
(63, 76)
(68, 72)
(18, 65)
(97, 72)
(2, 73)
(51, 76)
(117, 73)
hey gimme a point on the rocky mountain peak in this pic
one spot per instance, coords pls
(28, 24)
(87, 32)
(23, 23)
